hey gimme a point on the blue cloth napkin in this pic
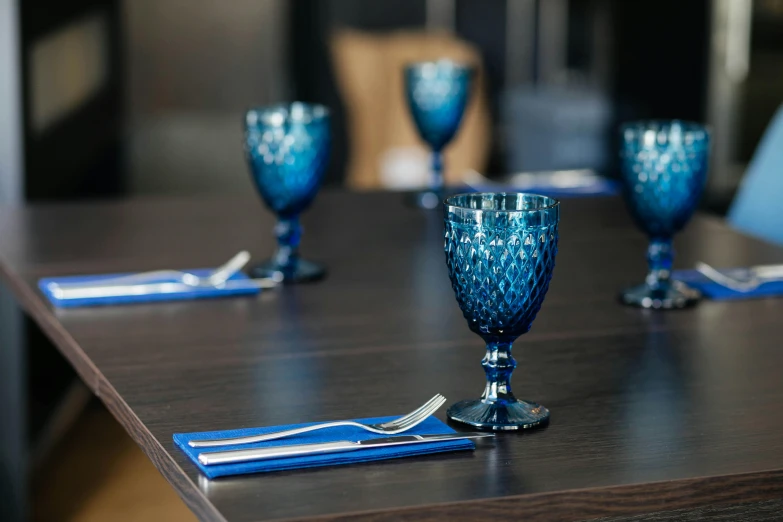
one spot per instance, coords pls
(597, 187)
(194, 293)
(429, 426)
(716, 292)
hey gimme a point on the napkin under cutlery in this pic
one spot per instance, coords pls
(170, 289)
(718, 292)
(562, 183)
(430, 426)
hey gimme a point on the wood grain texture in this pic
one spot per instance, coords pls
(767, 511)
(650, 411)
(721, 493)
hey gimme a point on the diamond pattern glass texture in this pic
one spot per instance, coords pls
(500, 251)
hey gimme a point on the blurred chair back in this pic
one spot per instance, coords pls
(385, 149)
(757, 208)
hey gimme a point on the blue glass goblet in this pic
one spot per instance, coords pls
(287, 148)
(664, 168)
(500, 252)
(437, 93)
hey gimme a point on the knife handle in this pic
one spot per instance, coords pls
(242, 455)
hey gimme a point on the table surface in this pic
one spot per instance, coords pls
(650, 410)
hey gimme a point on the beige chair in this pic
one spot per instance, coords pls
(383, 141)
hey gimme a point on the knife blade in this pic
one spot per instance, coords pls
(209, 458)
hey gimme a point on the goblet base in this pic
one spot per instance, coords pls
(499, 416)
(677, 295)
(302, 272)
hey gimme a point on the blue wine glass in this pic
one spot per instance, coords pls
(437, 94)
(287, 148)
(500, 252)
(664, 169)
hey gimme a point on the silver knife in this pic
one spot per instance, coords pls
(243, 455)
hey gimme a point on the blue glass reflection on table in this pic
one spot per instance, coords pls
(500, 251)
(437, 94)
(664, 169)
(287, 148)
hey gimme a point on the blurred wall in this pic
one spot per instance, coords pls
(193, 67)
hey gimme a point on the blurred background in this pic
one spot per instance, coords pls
(122, 98)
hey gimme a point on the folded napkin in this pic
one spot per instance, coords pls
(716, 292)
(553, 185)
(191, 293)
(429, 426)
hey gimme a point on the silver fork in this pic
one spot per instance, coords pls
(399, 425)
(753, 278)
(217, 277)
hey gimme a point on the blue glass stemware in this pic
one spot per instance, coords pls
(500, 252)
(664, 169)
(437, 93)
(287, 148)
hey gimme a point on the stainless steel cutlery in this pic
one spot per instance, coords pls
(244, 455)
(216, 277)
(164, 282)
(742, 280)
(155, 288)
(394, 427)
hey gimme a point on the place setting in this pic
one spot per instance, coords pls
(287, 148)
(734, 283)
(500, 253)
(157, 285)
(664, 168)
(557, 183)
(298, 446)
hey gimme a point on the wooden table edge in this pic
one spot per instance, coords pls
(100, 386)
(574, 504)
(588, 503)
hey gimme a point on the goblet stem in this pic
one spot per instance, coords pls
(436, 181)
(286, 260)
(659, 290)
(660, 255)
(289, 233)
(498, 409)
(498, 365)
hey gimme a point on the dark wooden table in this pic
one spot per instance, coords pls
(651, 411)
